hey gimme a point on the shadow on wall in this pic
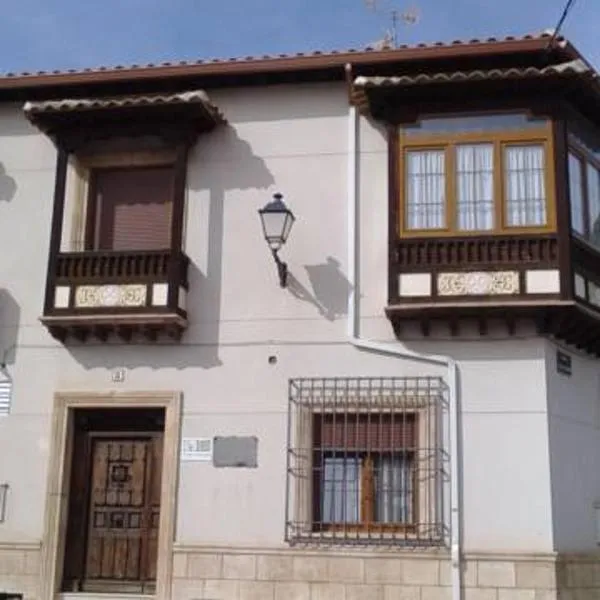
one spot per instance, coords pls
(10, 316)
(8, 185)
(247, 171)
(330, 289)
(224, 162)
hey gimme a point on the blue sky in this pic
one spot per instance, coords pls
(62, 34)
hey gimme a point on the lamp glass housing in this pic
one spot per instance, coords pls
(277, 220)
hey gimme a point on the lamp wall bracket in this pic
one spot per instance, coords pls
(282, 268)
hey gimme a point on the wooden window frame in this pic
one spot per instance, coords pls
(586, 158)
(499, 139)
(367, 524)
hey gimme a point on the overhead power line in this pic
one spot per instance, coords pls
(565, 12)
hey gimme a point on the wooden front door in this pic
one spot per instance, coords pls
(115, 546)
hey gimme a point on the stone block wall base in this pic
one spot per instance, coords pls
(347, 574)
(20, 569)
(578, 576)
(201, 573)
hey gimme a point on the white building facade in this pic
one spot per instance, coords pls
(392, 423)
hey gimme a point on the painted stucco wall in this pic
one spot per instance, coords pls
(574, 426)
(292, 140)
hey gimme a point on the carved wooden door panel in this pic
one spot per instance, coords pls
(123, 513)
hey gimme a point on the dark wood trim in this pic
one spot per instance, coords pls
(77, 532)
(563, 213)
(393, 207)
(406, 104)
(91, 210)
(575, 323)
(58, 211)
(177, 218)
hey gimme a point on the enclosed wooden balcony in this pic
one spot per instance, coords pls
(99, 293)
(115, 261)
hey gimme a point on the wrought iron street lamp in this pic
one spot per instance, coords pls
(277, 220)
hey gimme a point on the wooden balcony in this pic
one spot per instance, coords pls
(459, 279)
(507, 280)
(123, 293)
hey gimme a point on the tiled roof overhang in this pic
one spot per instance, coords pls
(196, 97)
(193, 107)
(574, 67)
(371, 93)
(315, 65)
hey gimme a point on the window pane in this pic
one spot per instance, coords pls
(478, 123)
(593, 188)
(394, 489)
(425, 189)
(576, 193)
(340, 500)
(525, 187)
(475, 186)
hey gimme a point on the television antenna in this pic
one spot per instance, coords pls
(396, 17)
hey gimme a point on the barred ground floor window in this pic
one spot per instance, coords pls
(366, 460)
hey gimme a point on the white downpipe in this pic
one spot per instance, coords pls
(402, 352)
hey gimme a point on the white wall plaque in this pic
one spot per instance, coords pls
(197, 449)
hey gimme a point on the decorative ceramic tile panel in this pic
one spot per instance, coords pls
(478, 283)
(98, 296)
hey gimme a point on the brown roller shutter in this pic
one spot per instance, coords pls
(133, 208)
(369, 432)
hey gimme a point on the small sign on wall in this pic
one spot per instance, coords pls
(196, 449)
(240, 452)
(563, 363)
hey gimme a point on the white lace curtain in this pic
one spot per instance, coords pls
(341, 489)
(525, 193)
(394, 490)
(426, 189)
(524, 183)
(475, 187)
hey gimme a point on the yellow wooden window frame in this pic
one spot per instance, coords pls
(499, 140)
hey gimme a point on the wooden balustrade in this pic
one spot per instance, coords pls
(119, 266)
(411, 254)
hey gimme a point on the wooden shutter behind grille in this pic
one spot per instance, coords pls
(133, 208)
(376, 432)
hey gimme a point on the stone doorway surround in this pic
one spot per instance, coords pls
(59, 470)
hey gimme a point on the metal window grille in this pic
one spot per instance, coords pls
(367, 461)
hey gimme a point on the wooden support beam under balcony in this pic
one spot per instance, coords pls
(130, 295)
(478, 283)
